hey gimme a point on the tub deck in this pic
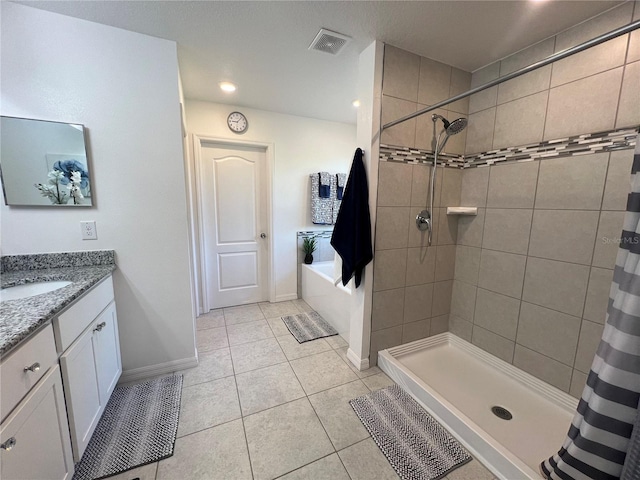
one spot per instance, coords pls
(459, 383)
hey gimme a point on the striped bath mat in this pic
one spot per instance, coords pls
(308, 326)
(416, 446)
(138, 426)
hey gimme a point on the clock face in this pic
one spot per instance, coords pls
(237, 122)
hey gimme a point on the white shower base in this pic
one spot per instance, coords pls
(458, 383)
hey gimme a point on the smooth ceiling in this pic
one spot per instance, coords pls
(262, 46)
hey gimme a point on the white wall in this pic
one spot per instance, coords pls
(370, 95)
(302, 146)
(123, 87)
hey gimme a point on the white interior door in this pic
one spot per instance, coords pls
(234, 222)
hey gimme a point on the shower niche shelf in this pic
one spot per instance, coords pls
(462, 210)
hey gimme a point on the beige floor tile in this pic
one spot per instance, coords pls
(278, 327)
(248, 332)
(250, 356)
(336, 341)
(473, 470)
(278, 309)
(377, 381)
(218, 453)
(275, 438)
(242, 314)
(213, 319)
(302, 305)
(338, 418)
(212, 339)
(211, 366)
(322, 371)
(146, 472)
(208, 404)
(292, 349)
(327, 468)
(267, 387)
(365, 461)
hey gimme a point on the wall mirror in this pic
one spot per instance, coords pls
(43, 163)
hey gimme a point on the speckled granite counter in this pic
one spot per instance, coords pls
(20, 318)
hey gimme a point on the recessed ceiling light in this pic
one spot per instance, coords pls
(227, 87)
(356, 103)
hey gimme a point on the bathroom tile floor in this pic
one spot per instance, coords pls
(262, 406)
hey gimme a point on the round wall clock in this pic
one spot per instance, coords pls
(237, 122)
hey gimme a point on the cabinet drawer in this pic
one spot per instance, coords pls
(39, 433)
(16, 381)
(70, 324)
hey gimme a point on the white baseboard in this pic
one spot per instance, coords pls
(143, 373)
(287, 297)
(360, 363)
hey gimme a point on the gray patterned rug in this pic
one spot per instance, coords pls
(416, 446)
(138, 426)
(308, 326)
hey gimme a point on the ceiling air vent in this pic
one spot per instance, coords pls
(329, 42)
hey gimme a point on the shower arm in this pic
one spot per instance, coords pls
(534, 66)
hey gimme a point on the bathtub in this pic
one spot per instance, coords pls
(458, 383)
(332, 302)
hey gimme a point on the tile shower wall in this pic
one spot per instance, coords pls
(411, 83)
(592, 91)
(413, 282)
(534, 268)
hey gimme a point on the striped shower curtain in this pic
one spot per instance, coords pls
(602, 443)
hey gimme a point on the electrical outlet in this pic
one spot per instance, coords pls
(88, 230)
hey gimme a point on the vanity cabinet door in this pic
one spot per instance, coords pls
(34, 439)
(82, 390)
(107, 350)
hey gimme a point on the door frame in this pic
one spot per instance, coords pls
(204, 302)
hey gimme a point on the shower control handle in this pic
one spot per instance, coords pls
(424, 223)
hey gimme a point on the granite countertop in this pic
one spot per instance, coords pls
(20, 318)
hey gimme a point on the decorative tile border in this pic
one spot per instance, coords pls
(316, 233)
(416, 156)
(586, 144)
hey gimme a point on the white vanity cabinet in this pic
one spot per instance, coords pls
(55, 386)
(34, 437)
(87, 334)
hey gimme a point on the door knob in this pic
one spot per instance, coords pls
(263, 235)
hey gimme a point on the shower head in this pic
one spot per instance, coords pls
(452, 128)
(456, 126)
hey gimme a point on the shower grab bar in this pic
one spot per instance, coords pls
(534, 66)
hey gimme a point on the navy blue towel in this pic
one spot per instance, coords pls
(352, 232)
(324, 185)
(340, 181)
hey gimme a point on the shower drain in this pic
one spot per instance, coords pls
(501, 412)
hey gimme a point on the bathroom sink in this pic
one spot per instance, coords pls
(30, 289)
